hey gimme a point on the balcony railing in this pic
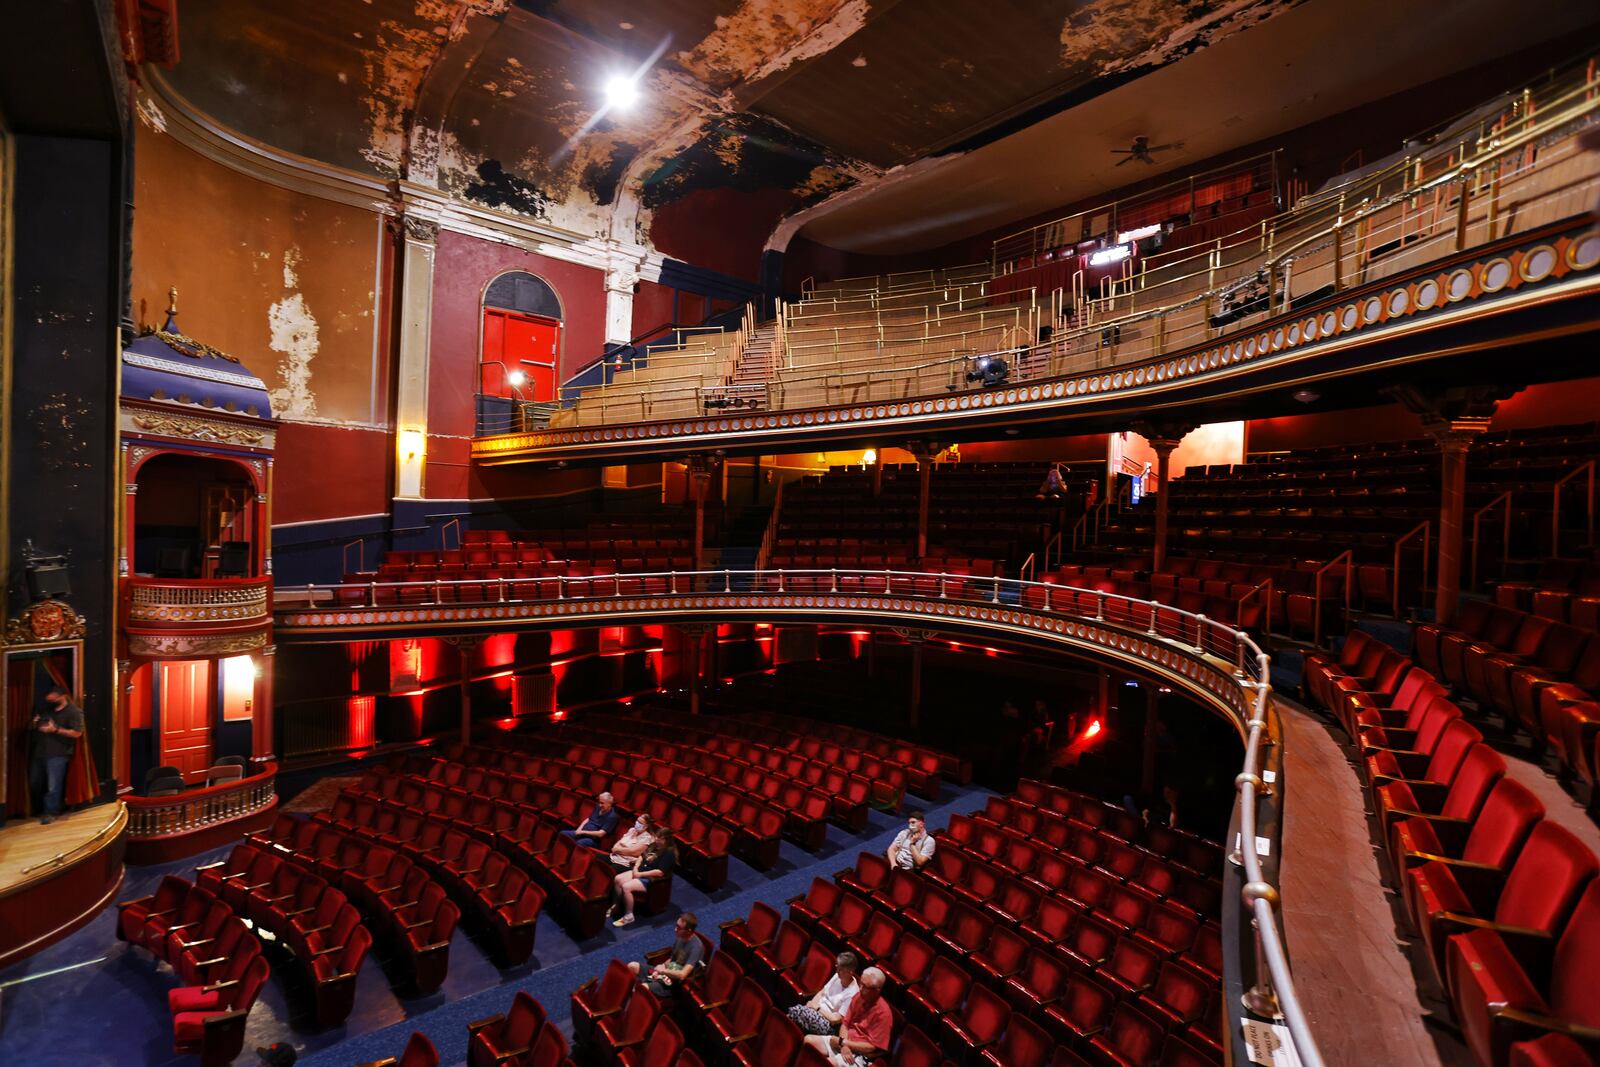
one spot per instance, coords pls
(1212, 659)
(196, 809)
(183, 604)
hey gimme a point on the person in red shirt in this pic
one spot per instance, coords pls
(864, 1035)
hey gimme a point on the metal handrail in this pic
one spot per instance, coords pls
(361, 543)
(1348, 559)
(1555, 509)
(444, 542)
(1263, 591)
(1426, 529)
(1501, 501)
(1184, 633)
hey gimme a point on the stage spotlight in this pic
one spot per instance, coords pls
(989, 370)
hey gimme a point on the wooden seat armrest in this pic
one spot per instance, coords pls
(419, 922)
(387, 1061)
(217, 987)
(737, 1038)
(182, 926)
(211, 962)
(437, 946)
(275, 900)
(487, 1021)
(297, 914)
(258, 885)
(1412, 764)
(1458, 867)
(224, 1019)
(210, 866)
(315, 930)
(192, 944)
(386, 890)
(1526, 1025)
(343, 976)
(658, 955)
(317, 953)
(513, 1054)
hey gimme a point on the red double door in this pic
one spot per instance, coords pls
(513, 342)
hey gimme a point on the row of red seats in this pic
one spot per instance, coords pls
(856, 779)
(521, 1037)
(515, 803)
(1506, 903)
(216, 957)
(1189, 851)
(1540, 674)
(810, 737)
(757, 826)
(890, 768)
(1565, 590)
(804, 801)
(304, 906)
(466, 871)
(311, 860)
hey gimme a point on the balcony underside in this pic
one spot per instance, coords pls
(1439, 320)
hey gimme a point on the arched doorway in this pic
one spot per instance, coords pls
(521, 338)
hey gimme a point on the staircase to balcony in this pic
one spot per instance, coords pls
(758, 358)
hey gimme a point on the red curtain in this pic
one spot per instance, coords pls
(24, 682)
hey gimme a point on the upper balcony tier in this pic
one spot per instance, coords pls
(1437, 251)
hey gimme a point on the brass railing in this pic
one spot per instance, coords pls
(1425, 530)
(1514, 175)
(1555, 505)
(173, 602)
(196, 809)
(1503, 502)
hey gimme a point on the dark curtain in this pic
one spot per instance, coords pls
(26, 680)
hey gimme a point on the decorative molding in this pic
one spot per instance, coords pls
(139, 359)
(188, 646)
(46, 621)
(199, 429)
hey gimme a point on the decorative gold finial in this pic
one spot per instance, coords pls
(172, 300)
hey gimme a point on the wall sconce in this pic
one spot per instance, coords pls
(412, 443)
(869, 457)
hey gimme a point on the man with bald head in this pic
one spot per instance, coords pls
(594, 830)
(864, 1035)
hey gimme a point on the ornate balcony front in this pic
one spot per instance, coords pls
(196, 617)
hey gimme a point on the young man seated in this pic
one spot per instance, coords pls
(686, 956)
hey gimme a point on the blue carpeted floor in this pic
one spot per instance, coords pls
(91, 1000)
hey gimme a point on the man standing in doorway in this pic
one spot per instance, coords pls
(58, 727)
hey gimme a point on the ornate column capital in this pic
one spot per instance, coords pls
(1455, 414)
(924, 450)
(1164, 436)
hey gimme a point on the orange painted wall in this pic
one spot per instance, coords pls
(1219, 442)
(258, 266)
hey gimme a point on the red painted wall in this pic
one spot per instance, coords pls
(463, 267)
(652, 306)
(1040, 450)
(1547, 404)
(720, 229)
(326, 472)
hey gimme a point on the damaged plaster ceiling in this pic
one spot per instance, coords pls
(495, 101)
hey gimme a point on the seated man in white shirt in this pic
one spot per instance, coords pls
(912, 847)
(823, 1013)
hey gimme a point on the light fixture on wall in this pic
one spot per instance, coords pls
(1307, 396)
(517, 379)
(412, 443)
(869, 457)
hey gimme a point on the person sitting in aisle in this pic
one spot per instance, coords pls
(912, 847)
(1054, 487)
(634, 841)
(823, 1013)
(657, 862)
(601, 821)
(686, 956)
(864, 1034)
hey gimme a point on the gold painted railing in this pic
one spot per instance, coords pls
(1479, 185)
(196, 809)
(183, 603)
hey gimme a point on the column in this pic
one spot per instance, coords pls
(695, 633)
(1452, 416)
(263, 721)
(620, 280)
(130, 491)
(464, 648)
(1454, 440)
(1163, 437)
(914, 711)
(1163, 447)
(417, 236)
(1147, 767)
(924, 451)
(700, 488)
(121, 734)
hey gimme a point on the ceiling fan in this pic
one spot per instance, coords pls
(1143, 150)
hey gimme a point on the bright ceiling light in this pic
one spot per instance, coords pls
(622, 92)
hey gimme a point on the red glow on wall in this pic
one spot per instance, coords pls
(360, 712)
